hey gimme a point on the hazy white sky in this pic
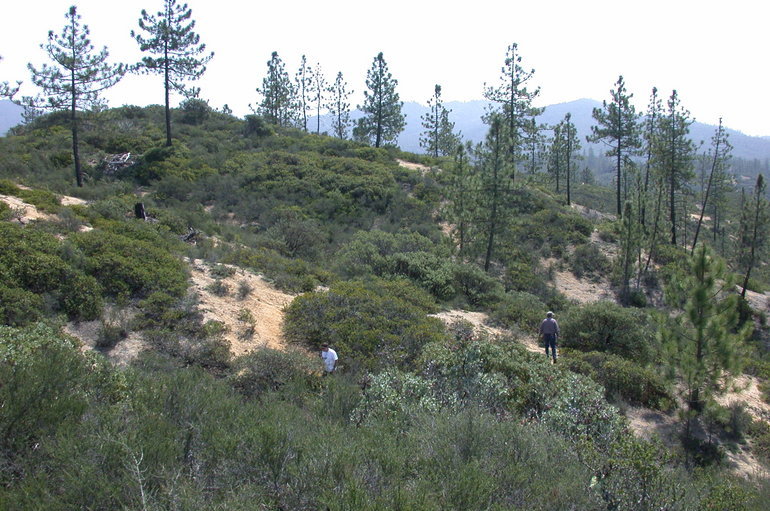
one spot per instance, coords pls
(712, 52)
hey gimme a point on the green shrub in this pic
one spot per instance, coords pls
(128, 267)
(606, 326)
(19, 307)
(522, 309)
(623, 378)
(367, 325)
(478, 287)
(587, 260)
(194, 111)
(257, 126)
(266, 370)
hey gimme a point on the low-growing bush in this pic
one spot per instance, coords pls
(608, 327)
(369, 326)
(521, 309)
(587, 260)
(623, 378)
(267, 370)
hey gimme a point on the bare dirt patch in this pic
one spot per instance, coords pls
(264, 303)
(89, 332)
(480, 323)
(413, 166)
(23, 212)
(648, 424)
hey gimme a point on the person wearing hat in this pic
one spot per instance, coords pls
(549, 331)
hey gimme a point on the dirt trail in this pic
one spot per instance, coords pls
(480, 322)
(264, 303)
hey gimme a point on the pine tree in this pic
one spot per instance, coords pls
(277, 106)
(630, 250)
(179, 55)
(496, 182)
(618, 128)
(439, 138)
(318, 91)
(702, 343)
(339, 106)
(571, 148)
(556, 155)
(754, 231)
(651, 129)
(382, 121)
(303, 82)
(673, 154)
(535, 145)
(515, 101)
(76, 77)
(721, 149)
(462, 198)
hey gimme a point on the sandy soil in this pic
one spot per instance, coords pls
(265, 304)
(124, 352)
(26, 212)
(413, 166)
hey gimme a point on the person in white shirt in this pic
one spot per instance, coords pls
(329, 357)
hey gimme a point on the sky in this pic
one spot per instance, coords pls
(711, 52)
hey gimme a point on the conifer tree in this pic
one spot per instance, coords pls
(618, 128)
(571, 148)
(177, 52)
(339, 106)
(318, 91)
(303, 82)
(439, 138)
(674, 152)
(754, 231)
(720, 152)
(382, 121)
(75, 78)
(702, 343)
(630, 250)
(496, 182)
(556, 155)
(651, 128)
(535, 145)
(277, 106)
(462, 195)
(515, 102)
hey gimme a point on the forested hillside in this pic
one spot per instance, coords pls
(421, 414)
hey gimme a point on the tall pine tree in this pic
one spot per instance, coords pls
(674, 154)
(277, 106)
(339, 106)
(720, 153)
(617, 127)
(515, 104)
(382, 121)
(318, 91)
(754, 231)
(438, 138)
(177, 52)
(303, 82)
(75, 78)
(701, 343)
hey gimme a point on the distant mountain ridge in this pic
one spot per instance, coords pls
(467, 118)
(10, 115)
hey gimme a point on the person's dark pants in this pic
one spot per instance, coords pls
(550, 341)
